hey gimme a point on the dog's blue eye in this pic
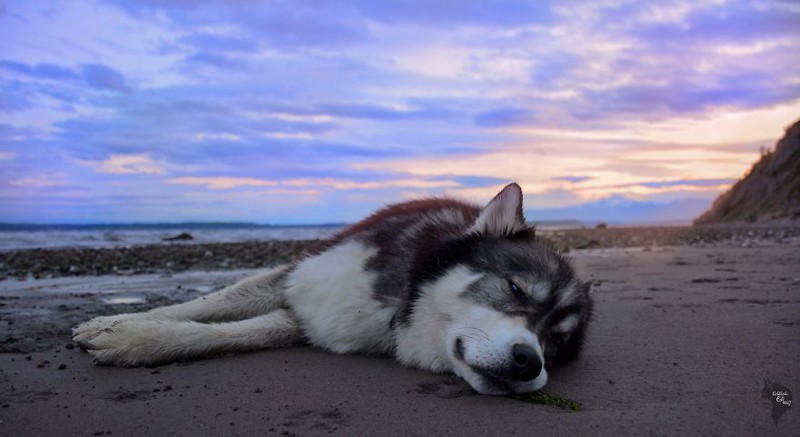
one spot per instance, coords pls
(514, 287)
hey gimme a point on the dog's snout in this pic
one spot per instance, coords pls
(527, 364)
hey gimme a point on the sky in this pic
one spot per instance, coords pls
(318, 111)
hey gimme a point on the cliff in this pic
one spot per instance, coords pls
(769, 191)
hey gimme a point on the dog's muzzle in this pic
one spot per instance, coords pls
(522, 365)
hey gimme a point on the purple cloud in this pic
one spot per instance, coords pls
(220, 43)
(101, 77)
(572, 179)
(217, 60)
(40, 71)
(738, 21)
(505, 117)
(690, 182)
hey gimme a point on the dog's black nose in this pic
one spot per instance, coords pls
(527, 364)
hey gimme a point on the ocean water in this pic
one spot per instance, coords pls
(107, 236)
(22, 236)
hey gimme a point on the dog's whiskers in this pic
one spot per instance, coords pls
(476, 339)
(480, 332)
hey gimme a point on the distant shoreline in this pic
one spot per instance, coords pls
(11, 227)
(177, 257)
(545, 224)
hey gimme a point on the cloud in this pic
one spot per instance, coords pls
(282, 25)
(221, 136)
(677, 96)
(571, 179)
(31, 86)
(505, 117)
(97, 76)
(41, 71)
(738, 21)
(101, 77)
(219, 42)
(224, 183)
(40, 181)
(12, 136)
(378, 112)
(161, 120)
(217, 60)
(53, 71)
(17, 67)
(623, 210)
(127, 164)
(605, 168)
(285, 192)
(504, 13)
(12, 100)
(689, 183)
(329, 110)
(500, 13)
(330, 24)
(477, 181)
(555, 69)
(4, 156)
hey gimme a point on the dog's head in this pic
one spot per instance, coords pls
(509, 306)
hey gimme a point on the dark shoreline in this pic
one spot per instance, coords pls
(152, 258)
(173, 258)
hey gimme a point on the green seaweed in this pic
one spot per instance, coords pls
(542, 398)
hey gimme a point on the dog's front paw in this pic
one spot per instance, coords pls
(84, 333)
(121, 343)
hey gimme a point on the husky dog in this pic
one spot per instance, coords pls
(439, 284)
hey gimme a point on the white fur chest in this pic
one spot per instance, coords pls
(332, 296)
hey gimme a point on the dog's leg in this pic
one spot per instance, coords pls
(247, 298)
(150, 342)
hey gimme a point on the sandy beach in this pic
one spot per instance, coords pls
(688, 325)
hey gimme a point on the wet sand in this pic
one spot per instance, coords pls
(683, 339)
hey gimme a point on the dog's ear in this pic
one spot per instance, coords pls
(502, 216)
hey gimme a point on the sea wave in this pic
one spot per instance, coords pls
(120, 236)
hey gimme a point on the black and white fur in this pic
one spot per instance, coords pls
(439, 284)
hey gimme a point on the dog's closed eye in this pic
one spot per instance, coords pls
(559, 339)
